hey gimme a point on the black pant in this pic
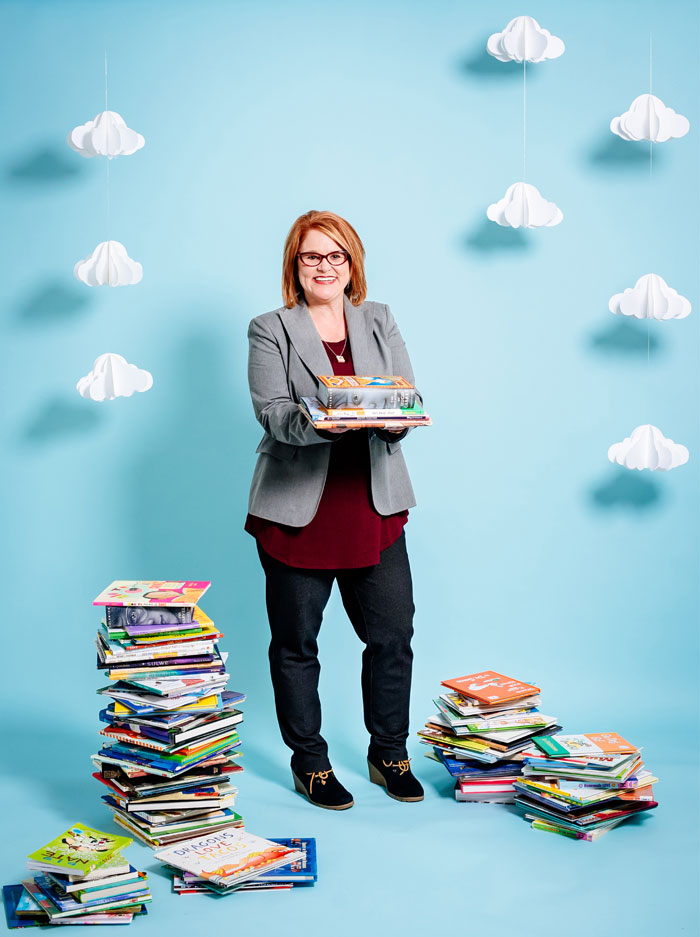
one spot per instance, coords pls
(379, 603)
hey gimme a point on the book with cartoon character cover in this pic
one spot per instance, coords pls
(153, 592)
(487, 686)
(228, 857)
(79, 849)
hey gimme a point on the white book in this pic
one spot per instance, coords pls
(228, 857)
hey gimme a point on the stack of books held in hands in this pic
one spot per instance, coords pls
(583, 785)
(171, 742)
(485, 721)
(235, 860)
(379, 401)
(80, 877)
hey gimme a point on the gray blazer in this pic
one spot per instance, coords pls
(285, 355)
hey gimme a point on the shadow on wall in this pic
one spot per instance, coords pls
(631, 338)
(54, 303)
(627, 490)
(44, 166)
(479, 64)
(612, 153)
(487, 237)
(61, 418)
(187, 492)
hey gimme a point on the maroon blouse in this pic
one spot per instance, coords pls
(346, 532)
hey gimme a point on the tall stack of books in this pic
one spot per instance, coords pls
(583, 785)
(485, 721)
(80, 877)
(379, 401)
(235, 860)
(171, 743)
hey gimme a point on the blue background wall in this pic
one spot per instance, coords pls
(532, 554)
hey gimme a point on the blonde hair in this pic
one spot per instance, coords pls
(343, 233)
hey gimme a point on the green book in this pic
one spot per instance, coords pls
(80, 849)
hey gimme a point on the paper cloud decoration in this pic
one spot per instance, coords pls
(648, 448)
(523, 207)
(112, 376)
(650, 298)
(109, 265)
(524, 40)
(649, 119)
(106, 135)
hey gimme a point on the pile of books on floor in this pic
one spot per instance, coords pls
(384, 401)
(235, 860)
(80, 877)
(485, 721)
(491, 737)
(583, 785)
(171, 743)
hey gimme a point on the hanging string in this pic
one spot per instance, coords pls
(109, 231)
(524, 115)
(651, 225)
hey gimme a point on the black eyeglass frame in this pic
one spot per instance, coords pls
(321, 257)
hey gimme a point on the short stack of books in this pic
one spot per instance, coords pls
(344, 402)
(484, 724)
(170, 734)
(235, 860)
(583, 785)
(80, 877)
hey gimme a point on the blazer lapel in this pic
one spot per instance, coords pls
(308, 345)
(358, 325)
(306, 340)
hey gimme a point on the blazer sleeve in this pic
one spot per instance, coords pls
(401, 364)
(274, 408)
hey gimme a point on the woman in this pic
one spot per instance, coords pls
(328, 506)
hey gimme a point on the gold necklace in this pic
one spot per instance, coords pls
(340, 357)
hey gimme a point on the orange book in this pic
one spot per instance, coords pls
(490, 687)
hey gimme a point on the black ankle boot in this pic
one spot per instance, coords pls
(396, 777)
(323, 789)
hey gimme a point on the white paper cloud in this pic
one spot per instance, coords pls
(649, 119)
(106, 135)
(523, 207)
(650, 298)
(648, 448)
(524, 40)
(112, 376)
(109, 265)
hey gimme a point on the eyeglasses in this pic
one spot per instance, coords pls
(311, 259)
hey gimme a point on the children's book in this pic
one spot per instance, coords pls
(229, 857)
(319, 417)
(80, 848)
(362, 391)
(152, 592)
(490, 687)
(600, 743)
(13, 896)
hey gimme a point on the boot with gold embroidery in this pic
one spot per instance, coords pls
(323, 789)
(396, 777)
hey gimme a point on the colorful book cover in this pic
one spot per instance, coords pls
(80, 848)
(320, 419)
(490, 687)
(597, 743)
(353, 381)
(12, 895)
(365, 391)
(152, 592)
(228, 857)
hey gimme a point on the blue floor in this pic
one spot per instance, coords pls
(385, 866)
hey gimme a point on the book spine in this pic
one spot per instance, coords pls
(113, 613)
(378, 413)
(384, 397)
